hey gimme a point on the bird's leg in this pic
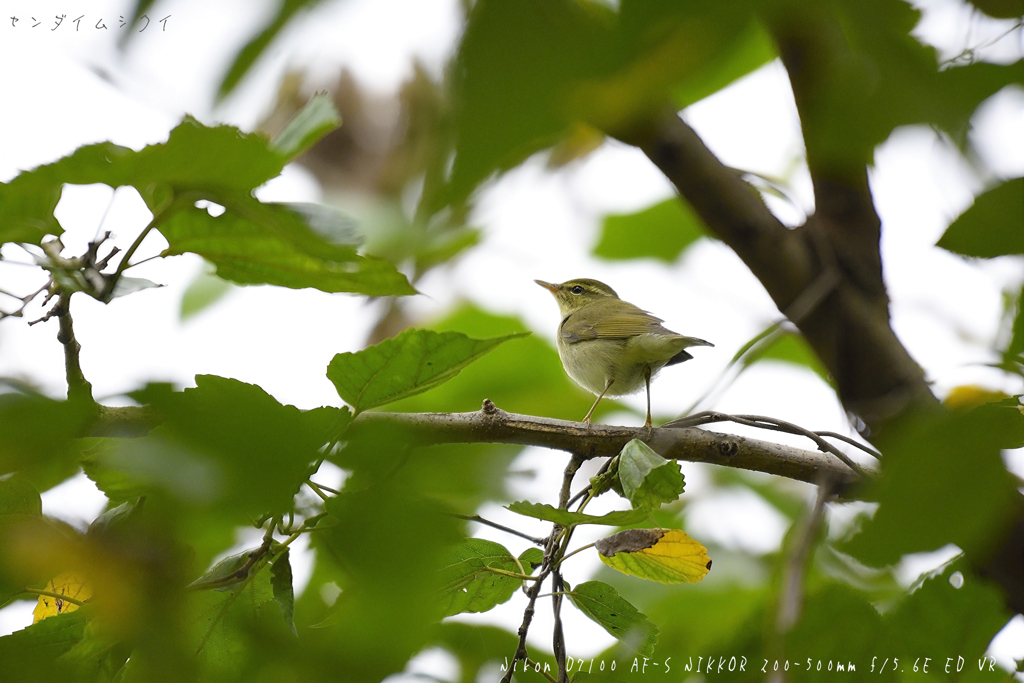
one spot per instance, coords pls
(647, 381)
(591, 411)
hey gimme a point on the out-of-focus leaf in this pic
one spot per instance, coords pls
(993, 226)
(469, 586)
(1000, 9)
(257, 243)
(741, 47)
(858, 640)
(37, 437)
(35, 549)
(30, 654)
(514, 66)
(476, 646)
(662, 555)
(976, 607)
(18, 496)
(386, 548)
(217, 622)
(204, 291)
(943, 481)
(648, 480)
(530, 74)
(1016, 346)
(226, 575)
(252, 51)
(662, 231)
(117, 517)
(788, 347)
(411, 363)
(603, 604)
(871, 76)
(241, 449)
(315, 120)
(567, 519)
(284, 592)
(70, 584)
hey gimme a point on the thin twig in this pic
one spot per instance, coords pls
(317, 490)
(769, 423)
(51, 594)
(480, 520)
(547, 565)
(791, 591)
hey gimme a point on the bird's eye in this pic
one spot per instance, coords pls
(577, 289)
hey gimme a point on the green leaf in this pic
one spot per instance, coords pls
(226, 575)
(738, 50)
(648, 480)
(257, 243)
(788, 347)
(252, 51)
(219, 623)
(281, 584)
(943, 481)
(195, 157)
(18, 496)
(117, 517)
(468, 584)
(315, 120)
(662, 555)
(1015, 348)
(386, 551)
(411, 363)
(993, 226)
(604, 605)
(662, 231)
(204, 291)
(224, 444)
(37, 437)
(976, 607)
(568, 519)
(30, 654)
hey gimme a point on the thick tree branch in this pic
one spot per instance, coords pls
(837, 302)
(492, 425)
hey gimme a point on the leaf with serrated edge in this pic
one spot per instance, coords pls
(566, 518)
(662, 555)
(648, 480)
(409, 364)
(468, 586)
(603, 604)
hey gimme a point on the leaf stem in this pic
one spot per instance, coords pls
(51, 594)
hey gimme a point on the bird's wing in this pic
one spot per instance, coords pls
(621, 324)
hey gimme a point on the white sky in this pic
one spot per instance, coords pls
(71, 88)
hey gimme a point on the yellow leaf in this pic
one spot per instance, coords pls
(662, 555)
(970, 396)
(70, 584)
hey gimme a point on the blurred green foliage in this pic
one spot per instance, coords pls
(391, 554)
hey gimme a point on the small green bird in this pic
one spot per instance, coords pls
(609, 346)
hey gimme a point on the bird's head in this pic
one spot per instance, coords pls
(573, 295)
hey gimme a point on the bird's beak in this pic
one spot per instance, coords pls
(548, 286)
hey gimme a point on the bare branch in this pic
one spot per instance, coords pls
(691, 444)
